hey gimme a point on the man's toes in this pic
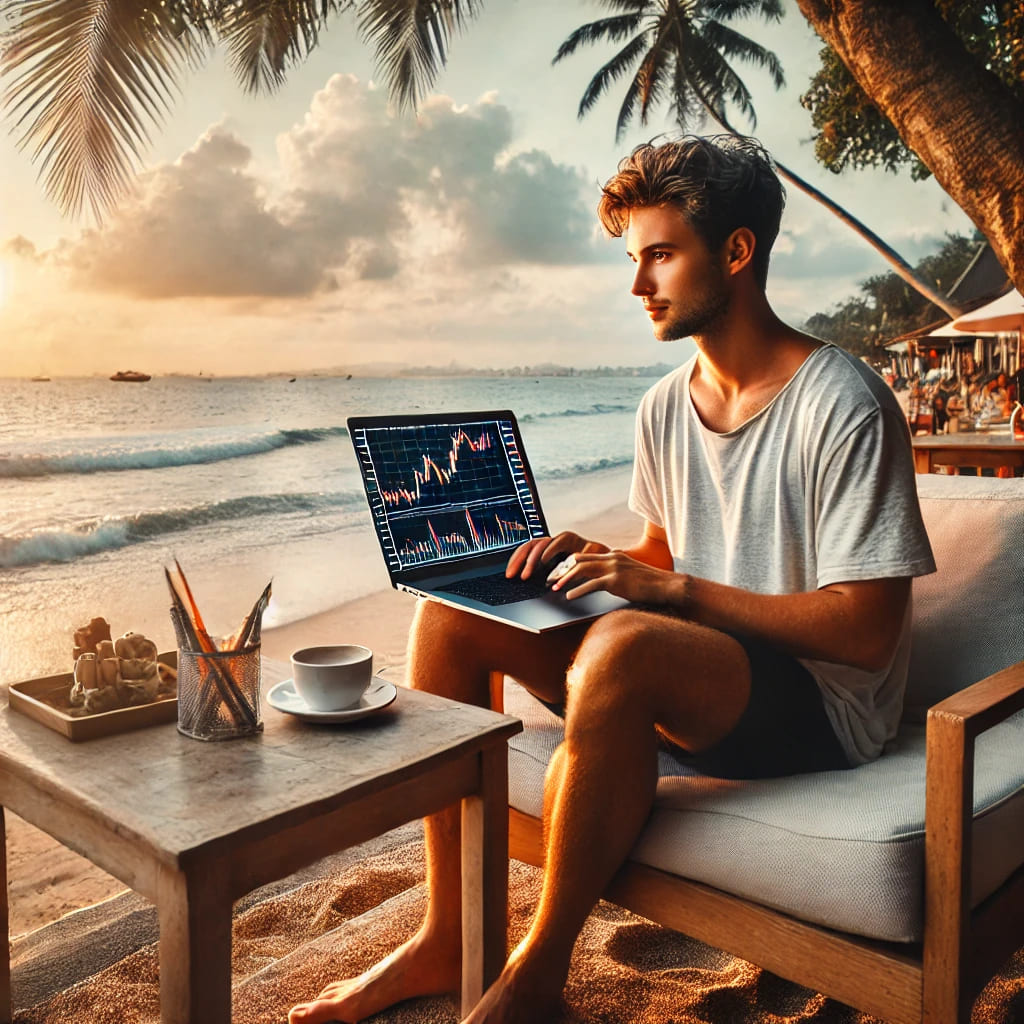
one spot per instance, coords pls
(318, 1012)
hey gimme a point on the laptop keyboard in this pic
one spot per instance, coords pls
(496, 589)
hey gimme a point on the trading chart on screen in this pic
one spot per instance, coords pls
(440, 492)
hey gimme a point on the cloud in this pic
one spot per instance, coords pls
(362, 196)
(200, 226)
(20, 248)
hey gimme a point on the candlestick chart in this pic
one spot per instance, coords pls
(440, 492)
(456, 467)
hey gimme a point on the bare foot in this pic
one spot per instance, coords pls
(420, 967)
(519, 996)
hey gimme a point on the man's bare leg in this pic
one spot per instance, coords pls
(634, 670)
(451, 654)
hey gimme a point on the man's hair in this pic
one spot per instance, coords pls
(719, 184)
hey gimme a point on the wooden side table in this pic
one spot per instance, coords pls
(193, 826)
(986, 451)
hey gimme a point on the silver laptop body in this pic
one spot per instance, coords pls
(451, 496)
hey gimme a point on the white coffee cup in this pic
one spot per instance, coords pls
(332, 678)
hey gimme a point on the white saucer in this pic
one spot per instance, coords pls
(284, 698)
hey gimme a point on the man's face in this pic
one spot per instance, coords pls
(683, 285)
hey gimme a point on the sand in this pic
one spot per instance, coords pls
(341, 919)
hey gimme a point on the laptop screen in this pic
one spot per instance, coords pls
(444, 489)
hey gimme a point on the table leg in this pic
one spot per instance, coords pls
(922, 460)
(195, 948)
(485, 878)
(5, 956)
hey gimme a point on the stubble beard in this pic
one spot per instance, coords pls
(697, 320)
(701, 315)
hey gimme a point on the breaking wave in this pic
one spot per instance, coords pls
(156, 451)
(112, 533)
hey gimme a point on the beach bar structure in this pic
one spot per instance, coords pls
(988, 335)
(988, 338)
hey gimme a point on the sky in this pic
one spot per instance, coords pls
(317, 228)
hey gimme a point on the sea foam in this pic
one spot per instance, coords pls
(153, 451)
(112, 533)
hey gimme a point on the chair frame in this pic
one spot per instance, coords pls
(934, 981)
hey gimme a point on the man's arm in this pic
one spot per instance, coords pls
(856, 623)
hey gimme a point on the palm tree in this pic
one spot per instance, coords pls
(88, 80)
(678, 52)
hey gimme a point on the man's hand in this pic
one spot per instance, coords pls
(546, 552)
(622, 575)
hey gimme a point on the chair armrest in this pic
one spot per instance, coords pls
(953, 726)
(985, 703)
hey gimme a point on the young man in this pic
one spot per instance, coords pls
(769, 633)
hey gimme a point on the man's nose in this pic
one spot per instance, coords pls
(642, 283)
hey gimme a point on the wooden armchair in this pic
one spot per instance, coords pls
(954, 852)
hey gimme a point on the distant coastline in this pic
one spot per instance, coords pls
(380, 371)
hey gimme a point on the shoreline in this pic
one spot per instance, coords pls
(46, 880)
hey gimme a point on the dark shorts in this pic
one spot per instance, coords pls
(784, 729)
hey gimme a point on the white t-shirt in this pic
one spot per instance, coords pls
(816, 488)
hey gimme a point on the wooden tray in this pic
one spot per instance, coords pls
(28, 698)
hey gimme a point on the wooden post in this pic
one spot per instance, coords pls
(485, 878)
(947, 863)
(195, 947)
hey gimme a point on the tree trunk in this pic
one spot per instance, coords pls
(899, 265)
(966, 127)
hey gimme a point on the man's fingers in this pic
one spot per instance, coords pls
(587, 586)
(522, 555)
(560, 570)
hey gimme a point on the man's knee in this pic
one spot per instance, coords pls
(617, 655)
(622, 642)
(628, 654)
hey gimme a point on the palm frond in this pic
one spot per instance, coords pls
(411, 38)
(770, 10)
(86, 82)
(714, 77)
(645, 89)
(614, 69)
(710, 87)
(651, 77)
(730, 43)
(637, 6)
(688, 107)
(606, 29)
(266, 37)
(626, 109)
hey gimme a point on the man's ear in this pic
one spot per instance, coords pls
(739, 249)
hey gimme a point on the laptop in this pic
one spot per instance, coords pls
(452, 496)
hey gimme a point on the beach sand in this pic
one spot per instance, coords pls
(47, 880)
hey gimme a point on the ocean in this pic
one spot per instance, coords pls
(242, 480)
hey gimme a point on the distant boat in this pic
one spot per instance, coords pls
(41, 378)
(131, 375)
